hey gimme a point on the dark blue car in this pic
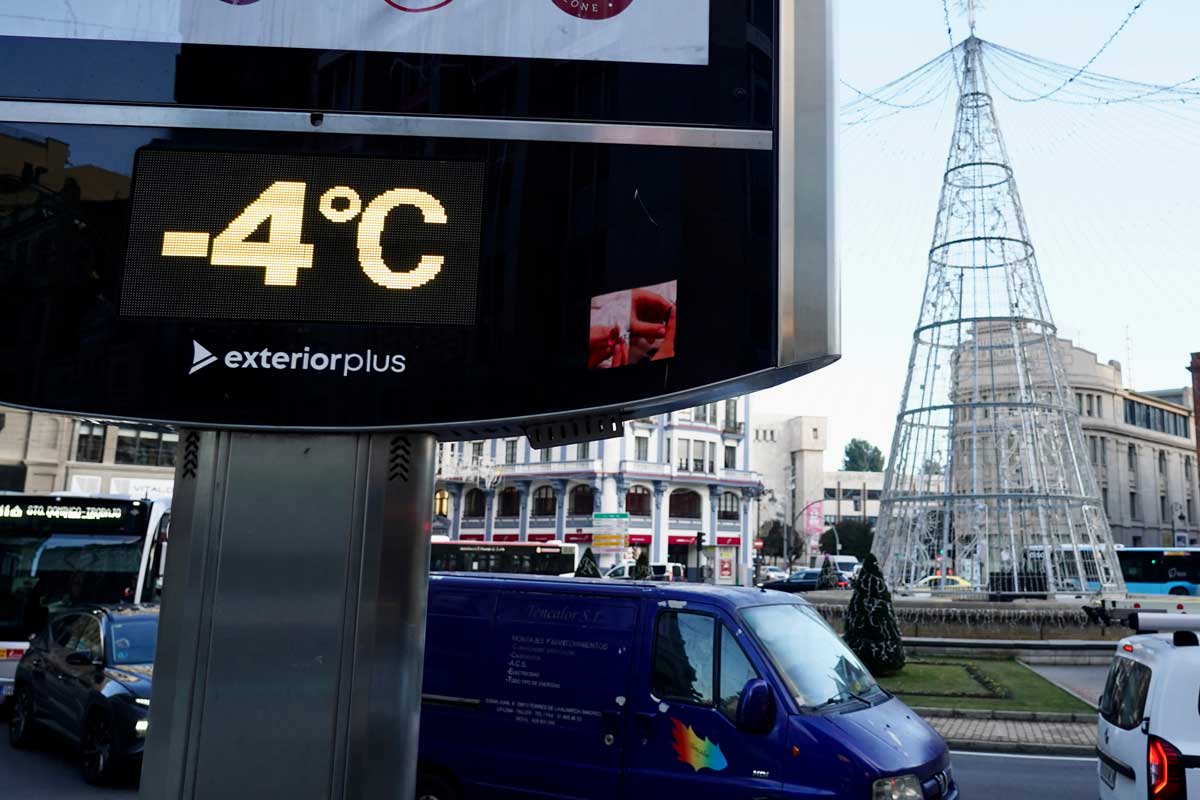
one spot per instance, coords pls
(86, 678)
(573, 688)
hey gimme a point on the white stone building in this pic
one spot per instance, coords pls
(677, 475)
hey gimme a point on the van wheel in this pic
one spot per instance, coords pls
(1178, 590)
(435, 787)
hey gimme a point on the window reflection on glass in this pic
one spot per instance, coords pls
(683, 657)
(736, 671)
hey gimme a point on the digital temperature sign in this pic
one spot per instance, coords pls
(303, 238)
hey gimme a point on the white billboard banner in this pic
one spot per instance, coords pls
(655, 31)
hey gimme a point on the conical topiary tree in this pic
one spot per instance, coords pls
(829, 575)
(587, 568)
(871, 629)
(642, 568)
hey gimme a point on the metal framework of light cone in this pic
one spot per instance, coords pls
(988, 478)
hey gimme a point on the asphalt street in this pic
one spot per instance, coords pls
(49, 773)
(986, 776)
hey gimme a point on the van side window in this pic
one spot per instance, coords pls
(1124, 700)
(736, 670)
(684, 646)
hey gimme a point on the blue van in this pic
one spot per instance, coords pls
(575, 688)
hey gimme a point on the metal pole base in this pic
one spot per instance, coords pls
(291, 638)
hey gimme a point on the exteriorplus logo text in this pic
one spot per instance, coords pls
(345, 363)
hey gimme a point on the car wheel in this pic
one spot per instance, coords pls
(97, 749)
(435, 787)
(22, 725)
(1179, 590)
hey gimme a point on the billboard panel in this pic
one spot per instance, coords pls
(657, 31)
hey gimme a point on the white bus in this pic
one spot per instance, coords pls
(62, 549)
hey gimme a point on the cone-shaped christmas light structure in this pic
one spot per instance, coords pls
(988, 478)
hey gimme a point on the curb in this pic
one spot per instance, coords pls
(1022, 748)
(1012, 716)
(1090, 703)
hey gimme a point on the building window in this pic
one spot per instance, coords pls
(1191, 519)
(685, 504)
(1131, 454)
(509, 502)
(1103, 451)
(1090, 406)
(712, 457)
(730, 457)
(682, 453)
(477, 452)
(830, 493)
(700, 414)
(582, 502)
(1187, 468)
(1162, 508)
(441, 503)
(1095, 456)
(1133, 507)
(728, 509)
(1162, 462)
(1104, 498)
(857, 504)
(545, 503)
(146, 448)
(510, 451)
(1099, 406)
(475, 504)
(1137, 541)
(731, 420)
(91, 443)
(815, 435)
(830, 519)
(1079, 403)
(637, 502)
(641, 448)
(872, 494)
(697, 456)
(545, 455)
(583, 451)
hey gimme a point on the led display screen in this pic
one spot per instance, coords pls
(302, 238)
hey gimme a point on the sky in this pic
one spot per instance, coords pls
(1110, 196)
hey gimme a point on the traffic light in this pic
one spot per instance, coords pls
(700, 539)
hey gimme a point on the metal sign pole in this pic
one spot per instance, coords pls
(292, 630)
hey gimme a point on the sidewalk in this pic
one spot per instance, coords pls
(1016, 735)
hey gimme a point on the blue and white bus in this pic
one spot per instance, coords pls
(1161, 570)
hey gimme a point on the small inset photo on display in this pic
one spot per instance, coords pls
(632, 326)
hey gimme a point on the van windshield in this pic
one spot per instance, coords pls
(814, 662)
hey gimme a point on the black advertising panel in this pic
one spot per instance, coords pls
(302, 238)
(271, 268)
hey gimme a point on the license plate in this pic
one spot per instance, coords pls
(1108, 775)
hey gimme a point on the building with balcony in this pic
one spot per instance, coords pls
(676, 475)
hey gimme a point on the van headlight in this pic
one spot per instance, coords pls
(140, 727)
(900, 787)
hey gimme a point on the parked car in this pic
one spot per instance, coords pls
(804, 580)
(772, 573)
(1148, 733)
(944, 582)
(86, 679)
(585, 690)
(659, 571)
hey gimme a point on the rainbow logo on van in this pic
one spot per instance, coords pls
(697, 753)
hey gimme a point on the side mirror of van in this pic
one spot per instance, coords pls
(756, 708)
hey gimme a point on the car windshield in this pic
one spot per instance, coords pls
(814, 662)
(133, 640)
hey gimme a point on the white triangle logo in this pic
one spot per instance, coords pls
(201, 357)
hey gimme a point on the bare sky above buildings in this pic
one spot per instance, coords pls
(1110, 194)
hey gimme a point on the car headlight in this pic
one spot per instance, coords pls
(140, 727)
(900, 787)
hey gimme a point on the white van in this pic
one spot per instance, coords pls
(1148, 734)
(659, 571)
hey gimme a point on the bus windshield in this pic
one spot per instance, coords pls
(61, 551)
(512, 558)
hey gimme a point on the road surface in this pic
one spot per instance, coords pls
(985, 776)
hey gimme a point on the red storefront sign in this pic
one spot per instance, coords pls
(506, 537)
(729, 541)
(471, 537)
(690, 539)
(541, 537)
(578, 538)
(640, 538)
